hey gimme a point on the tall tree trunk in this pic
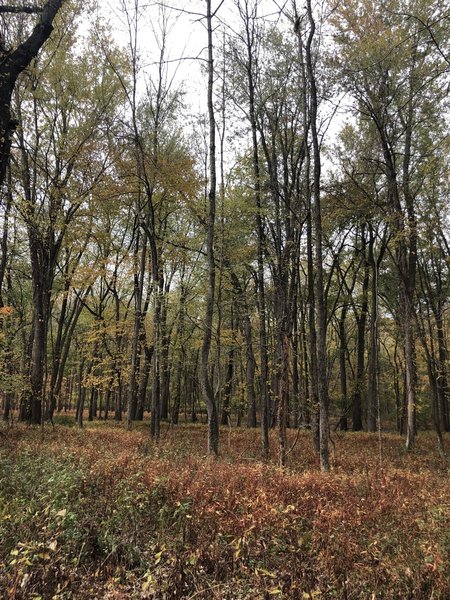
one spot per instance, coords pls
(178, 391)
(206, 383)
(138, 277)
(8, 356)
(321, 317)
(442, 380)
(361, 321)
(408, 262)
(155, 421)
(372, 388)
(250, 373)
(226, 407)
(250, 42)
(165, 364)
(343, 422)
(42, 285)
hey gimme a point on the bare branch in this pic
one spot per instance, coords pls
(20, 9)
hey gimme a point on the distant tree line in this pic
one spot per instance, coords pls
(244, 266)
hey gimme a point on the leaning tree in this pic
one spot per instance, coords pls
(13, 61)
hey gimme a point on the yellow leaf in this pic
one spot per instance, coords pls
(265, 572)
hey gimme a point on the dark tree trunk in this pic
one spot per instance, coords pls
(361, 321)
(81, 394)
(145, 371)
(226, 407)
(372, 388)
(178, 391)
(443, 392)
(12, 64)
(138, 277)
(320, 316)
(206, 383)
(250, 373)
(343, 422)
(165, 362)
(250, 43)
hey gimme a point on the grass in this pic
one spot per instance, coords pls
(105, 513)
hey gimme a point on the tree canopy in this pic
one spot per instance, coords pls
(275, 254)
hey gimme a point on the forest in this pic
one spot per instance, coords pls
(224, 299)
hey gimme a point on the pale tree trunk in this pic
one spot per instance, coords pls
(408, 276)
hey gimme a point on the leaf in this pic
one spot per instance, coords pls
(62, 513)
(53, 545)
(265, 572)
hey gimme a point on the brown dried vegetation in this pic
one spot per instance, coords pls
(104, 513)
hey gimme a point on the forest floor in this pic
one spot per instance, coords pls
(104, 513)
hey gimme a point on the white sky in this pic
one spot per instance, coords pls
(186, 41)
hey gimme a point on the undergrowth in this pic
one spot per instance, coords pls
(104, 513)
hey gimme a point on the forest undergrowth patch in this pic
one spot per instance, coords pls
(106, 513)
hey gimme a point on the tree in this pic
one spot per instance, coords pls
(388, 66)
(311, 110)
(12, 63)
(63, 155)
(205, 378)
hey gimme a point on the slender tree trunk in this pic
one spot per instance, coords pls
(178, 393)
(250, 373)
(361, 320)
(155, 421)
(408, 261)
(206, 383)
(226, 407)
(321, 317)
(343, 422)
(372, 389)
(3, 327)
(139, 271)
(250, 41)
(81, 394)
(442, 380)
(165, 364)
(181, 362)
(144, 371)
